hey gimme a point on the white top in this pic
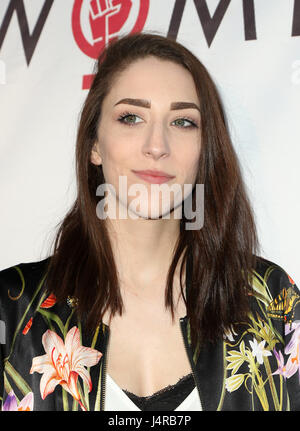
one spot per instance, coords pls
(117, 400)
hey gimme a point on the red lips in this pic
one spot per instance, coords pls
(154, 177)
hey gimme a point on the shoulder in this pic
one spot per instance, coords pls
(270, 278)
(22, 278)
(21, 287)
(28, 268)
(276, 292)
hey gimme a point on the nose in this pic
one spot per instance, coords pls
(156, 143)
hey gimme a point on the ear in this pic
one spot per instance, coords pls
(95, 157)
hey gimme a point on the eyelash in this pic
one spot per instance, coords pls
(126, 114)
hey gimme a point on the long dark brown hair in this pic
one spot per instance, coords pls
(223, 251)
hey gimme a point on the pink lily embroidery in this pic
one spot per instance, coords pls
(11, 404)
(286, 370)
(64, 362)
(293, 347)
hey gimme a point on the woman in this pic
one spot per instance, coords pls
(141, 312)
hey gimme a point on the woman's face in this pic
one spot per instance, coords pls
(144, 127)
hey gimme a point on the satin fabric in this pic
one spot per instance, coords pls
(117, 400)
(49, 362)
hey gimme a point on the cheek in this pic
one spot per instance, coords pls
(116, 161)
(195, 162)
(114, 152)
(195, 167)
(189, 167)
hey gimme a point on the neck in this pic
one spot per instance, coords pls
(143, 251)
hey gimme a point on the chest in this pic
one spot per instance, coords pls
(146, 350)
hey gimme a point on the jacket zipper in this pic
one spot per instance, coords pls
(103, 377)
(188, 351)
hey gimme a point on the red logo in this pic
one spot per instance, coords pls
(96, 23)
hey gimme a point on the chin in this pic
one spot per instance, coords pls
(154, 214)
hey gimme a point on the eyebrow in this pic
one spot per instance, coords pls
(146, 104)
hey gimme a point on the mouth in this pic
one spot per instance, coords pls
(154, 177)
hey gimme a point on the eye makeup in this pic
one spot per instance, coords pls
(127, 114)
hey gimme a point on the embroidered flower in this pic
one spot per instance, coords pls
(49, 301)
(27, 326)
(64, 362)
(236, 358)
(267, 334)
(285, 370)
(229, 333)
(233, 382)
(258, 350)
(11, 404)
(293, 347)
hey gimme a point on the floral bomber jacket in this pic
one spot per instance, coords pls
(48, 361)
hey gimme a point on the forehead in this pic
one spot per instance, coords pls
(153, 77)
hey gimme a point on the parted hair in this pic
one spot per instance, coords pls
(223, 252)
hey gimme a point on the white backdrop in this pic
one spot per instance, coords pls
(254, 58)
